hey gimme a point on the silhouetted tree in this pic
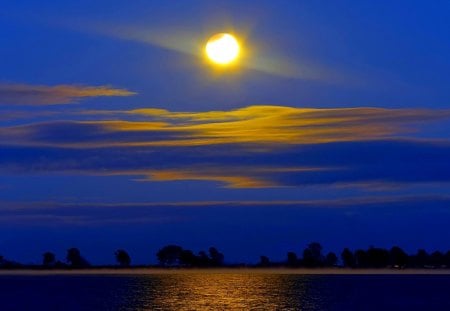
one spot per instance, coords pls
(8, 264)
(377, 257)
(447, 259)
(331, 259)
(421, 259)
(60, 264)
(361, 258)
(398, 257)
(187, 258)
(216, 258)
(264, 261)
(169, 255)
(203, 259)
(48, 259)
(292, 260)
(75, 259)
(122, 258)
(312, 255)
(348, 259)
(437, 259)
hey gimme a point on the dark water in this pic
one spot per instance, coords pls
(225, 292)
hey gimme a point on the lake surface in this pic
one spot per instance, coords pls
(215, 291)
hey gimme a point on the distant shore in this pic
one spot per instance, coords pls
(156, 271)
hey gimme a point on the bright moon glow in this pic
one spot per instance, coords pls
(222, 48)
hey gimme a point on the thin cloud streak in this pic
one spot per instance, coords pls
(26, 94)
(376, 165)
(232, 177)
(87, 214)
(33, 207)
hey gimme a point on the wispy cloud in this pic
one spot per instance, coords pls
(233, 177)
(252, 147)
(254, 126)
(377, 165)
(86, 214)
(26, 94)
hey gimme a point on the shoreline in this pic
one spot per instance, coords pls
(160, 271)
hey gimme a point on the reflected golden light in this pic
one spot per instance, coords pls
(222, 48)
(227, 290)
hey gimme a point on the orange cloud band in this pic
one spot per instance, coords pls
(255, 126)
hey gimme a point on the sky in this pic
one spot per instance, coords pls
(116, 132)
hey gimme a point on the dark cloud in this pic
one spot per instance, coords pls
(358, 163)
(86, 214)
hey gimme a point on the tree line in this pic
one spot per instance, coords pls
(312, 256)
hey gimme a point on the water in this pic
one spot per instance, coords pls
(214, 291)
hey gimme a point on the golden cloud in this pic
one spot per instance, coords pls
(254, 127)
(237, 177)
(271, 125)
(25, 94)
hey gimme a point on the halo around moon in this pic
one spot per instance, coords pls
(222, 49)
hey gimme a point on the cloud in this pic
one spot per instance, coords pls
(87, 214)
(375, 165)
(254, 126)
(25, 94)
(14, 115)
(252, 147)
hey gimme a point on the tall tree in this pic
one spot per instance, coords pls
(378, 257)
(331, 259)
(188, 258)
(437, 259)
(203, 259)
(447, 259)
(292, 259)
(398, 257)
(422, 258)
(169, 255)
(216, 257)
(122, 258)
(75, 259)
(264, 261)
(361, 258)
(48, 259)
(348, 259)
(312, 255)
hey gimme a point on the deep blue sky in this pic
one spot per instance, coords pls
(333, 127)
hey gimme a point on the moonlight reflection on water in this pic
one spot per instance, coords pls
(224, 291)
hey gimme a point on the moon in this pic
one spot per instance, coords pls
(222, 49)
